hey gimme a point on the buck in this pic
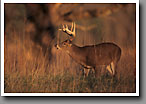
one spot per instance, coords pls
(91, 56)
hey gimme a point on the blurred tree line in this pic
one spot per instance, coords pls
(95, 23)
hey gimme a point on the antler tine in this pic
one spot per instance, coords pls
(63, 28)
(72, 26)
(69, 32)
(74, 29)
(66, 26)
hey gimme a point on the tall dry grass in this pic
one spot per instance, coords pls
(27, 70)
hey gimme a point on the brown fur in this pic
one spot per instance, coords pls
(93, 56)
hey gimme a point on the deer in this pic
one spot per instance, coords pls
(90, 56)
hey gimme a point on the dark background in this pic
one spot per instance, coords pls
(113, 100)
(31, 58)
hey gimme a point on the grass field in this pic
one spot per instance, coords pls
(28, 69)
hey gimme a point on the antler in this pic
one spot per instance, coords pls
(69, 32)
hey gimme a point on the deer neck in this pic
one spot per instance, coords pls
(74, 51)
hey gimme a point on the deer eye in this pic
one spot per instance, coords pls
(64, 43)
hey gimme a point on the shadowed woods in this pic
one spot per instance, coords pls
(33, 64)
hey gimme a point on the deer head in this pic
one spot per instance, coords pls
(67, 43)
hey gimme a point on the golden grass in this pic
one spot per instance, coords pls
(26, 69)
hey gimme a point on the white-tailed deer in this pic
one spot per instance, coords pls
(91, 56)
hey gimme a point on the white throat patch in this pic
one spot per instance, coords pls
(58, 46)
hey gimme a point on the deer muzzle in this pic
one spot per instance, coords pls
(57, 46)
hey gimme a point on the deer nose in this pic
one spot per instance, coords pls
(57, 46)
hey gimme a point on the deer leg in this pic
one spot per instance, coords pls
(93, 70)
(113, 68)
(86, 72)
(109, 69)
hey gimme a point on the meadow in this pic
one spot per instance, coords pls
(28, 70)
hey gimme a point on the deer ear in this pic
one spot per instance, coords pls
(68, 41)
